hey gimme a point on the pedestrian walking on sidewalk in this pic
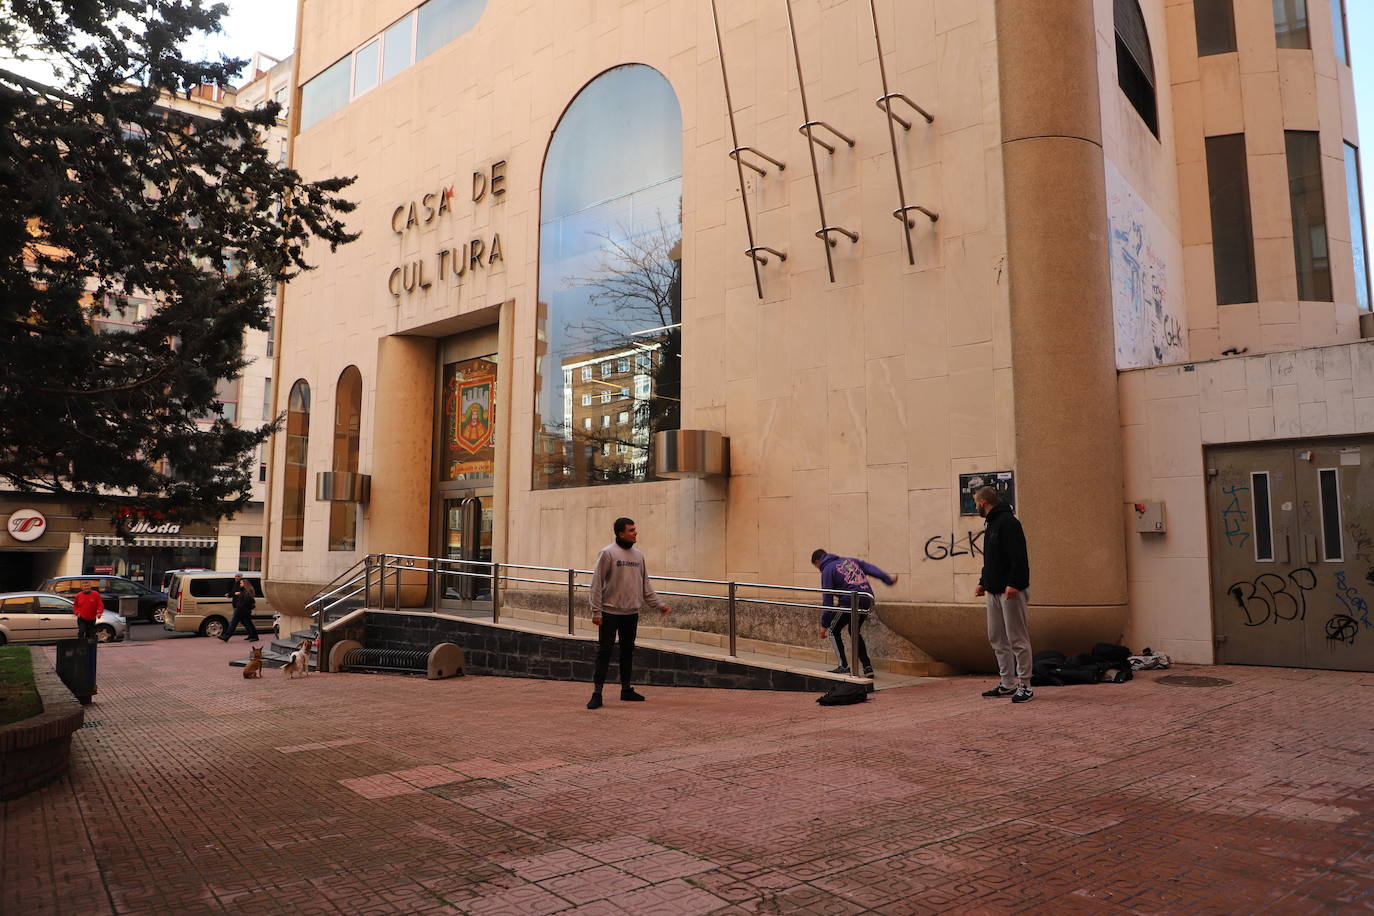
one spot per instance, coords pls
(243, 601)
(1005, 578)
(87, 607)
(620, 587)
(846, 574)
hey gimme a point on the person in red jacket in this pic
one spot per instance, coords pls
(88, 607)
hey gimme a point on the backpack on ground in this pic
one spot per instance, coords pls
(843, 695)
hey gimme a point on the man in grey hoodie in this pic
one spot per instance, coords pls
(620, 587)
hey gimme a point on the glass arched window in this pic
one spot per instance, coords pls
(348, 419)
(1135, 66)
(610, 282)
(297, 445)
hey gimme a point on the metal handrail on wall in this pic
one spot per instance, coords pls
(376, 569)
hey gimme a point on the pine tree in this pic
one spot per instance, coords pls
(107, 195)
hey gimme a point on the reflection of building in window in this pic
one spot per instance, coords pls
(610, 281)
(348, 416)
(623, 446)
(297, 449)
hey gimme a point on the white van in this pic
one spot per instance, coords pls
(198, 602)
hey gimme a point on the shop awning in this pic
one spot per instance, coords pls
(166, 540)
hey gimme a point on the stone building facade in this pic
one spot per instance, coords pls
(1016, 266)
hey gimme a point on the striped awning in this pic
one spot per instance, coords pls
(166, 540)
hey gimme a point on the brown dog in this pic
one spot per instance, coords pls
(254, 666)
(300, 660)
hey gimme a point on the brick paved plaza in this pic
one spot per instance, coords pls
(194, 791)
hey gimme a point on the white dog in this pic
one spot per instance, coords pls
(300, 661)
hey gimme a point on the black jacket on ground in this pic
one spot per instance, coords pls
(1004, 552)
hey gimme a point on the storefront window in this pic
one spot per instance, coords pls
(293, 488)
(610, 279)
(348, 418)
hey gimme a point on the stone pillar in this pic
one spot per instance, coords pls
(1068, 433)
(402, 455)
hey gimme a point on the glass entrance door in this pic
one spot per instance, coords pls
(466, 535)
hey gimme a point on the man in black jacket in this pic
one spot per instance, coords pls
(243, 601)
(1005, 578)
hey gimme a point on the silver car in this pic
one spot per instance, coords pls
(42, 617)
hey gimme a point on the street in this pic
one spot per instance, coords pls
(192, 790)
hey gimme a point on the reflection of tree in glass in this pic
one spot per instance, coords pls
(636, 295)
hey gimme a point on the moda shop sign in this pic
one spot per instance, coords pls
(449, 265)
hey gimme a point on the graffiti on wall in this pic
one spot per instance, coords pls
(1146, 258)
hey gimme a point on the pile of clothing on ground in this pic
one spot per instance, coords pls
(1105, 664)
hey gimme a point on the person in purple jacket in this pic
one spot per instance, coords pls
(846, 574)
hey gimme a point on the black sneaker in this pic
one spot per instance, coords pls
(1022, 695)
(843, 669)
(868, 670)
(998, 692)
(629, 693)
(595, 701)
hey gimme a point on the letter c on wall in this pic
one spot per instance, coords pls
(393, 282)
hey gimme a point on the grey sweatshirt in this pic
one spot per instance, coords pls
(620, 582)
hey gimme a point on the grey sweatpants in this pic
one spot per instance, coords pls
(1010, 638)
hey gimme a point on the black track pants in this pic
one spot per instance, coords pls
(612, 625)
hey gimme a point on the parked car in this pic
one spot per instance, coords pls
(198, 602)
(38, 617)
(166, 584)
(150, 603)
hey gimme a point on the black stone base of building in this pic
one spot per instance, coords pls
(507, 652)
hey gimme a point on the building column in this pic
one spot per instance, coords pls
(1068, 432)
(398, 512)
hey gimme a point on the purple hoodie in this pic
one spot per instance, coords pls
(847, 574)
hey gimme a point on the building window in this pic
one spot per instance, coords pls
(586, 400)
(624, 417)
(1264, 525)
(1354, 195)
(348, 418)
(267, 398)
(1290, 24)
(1341, 31)
(250, 554)
(367, 62)
(586, 423)
(227, 394)
(297, 448)
(610, 254)
(326, 93)
(1309, 215)
(606, 369)
(586, 373)
(398, 49)
(605, 421)
(441, 21)
(417, 34)
(1135, 68)
(271, 334)
(1233, 245)
(605, 397)
(262, 463)
(1216, 26)
(283, 101)
(622, 365)
(624, 394)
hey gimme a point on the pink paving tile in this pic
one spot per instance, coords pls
(618, 849)
(383, 785)
(520, 901)
(426, 777)
(670, 863)
(592, 884)
(673, 898)
(550, 864)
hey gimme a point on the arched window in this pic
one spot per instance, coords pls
(297, 445)
(348, 419)
(610, 281)
(1135, 67)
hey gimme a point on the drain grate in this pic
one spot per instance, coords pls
(92, 723)
(1193, 680)
(466, 787)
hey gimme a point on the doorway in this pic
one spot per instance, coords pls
(1292, 552)
(465, 437)
(468, 517)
